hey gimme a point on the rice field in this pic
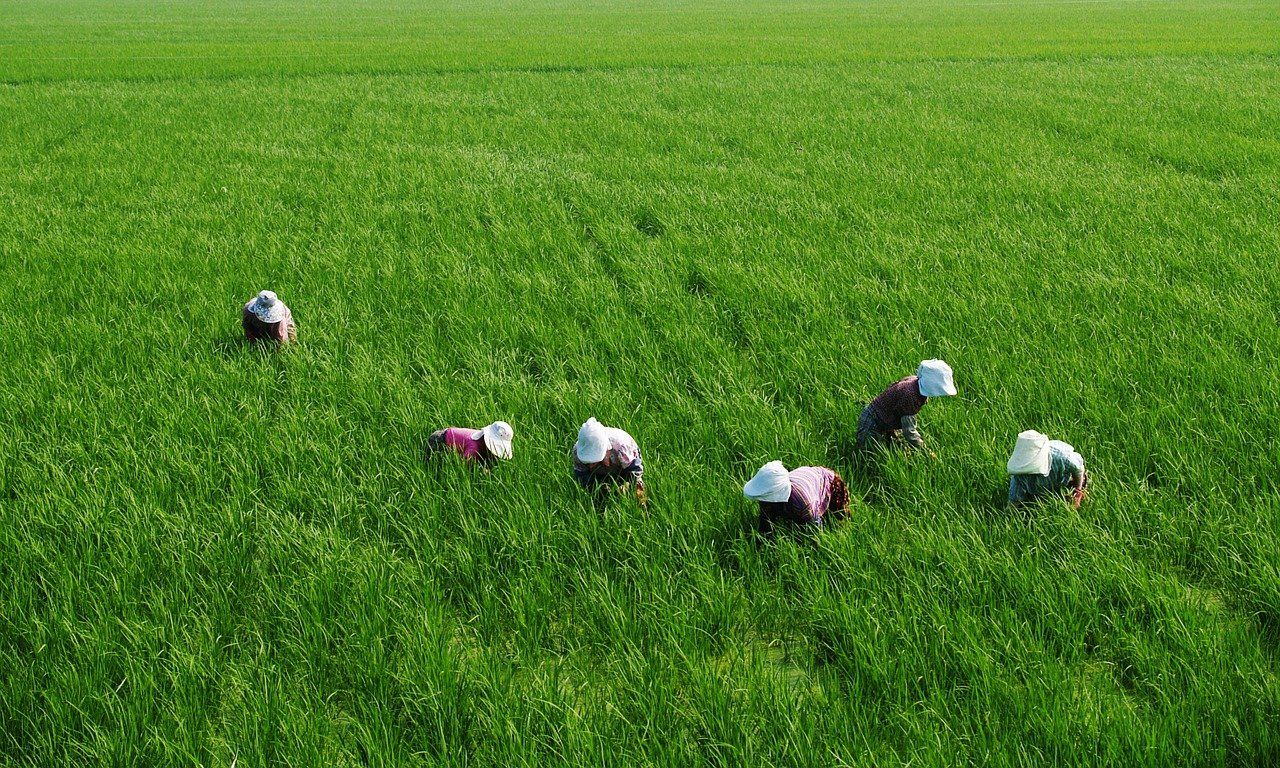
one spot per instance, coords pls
(721, 226)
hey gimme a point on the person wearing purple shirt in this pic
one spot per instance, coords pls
(805, 496)
(895, 409)
(266, 317)
(485, 446)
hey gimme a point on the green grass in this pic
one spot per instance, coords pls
(721, 226)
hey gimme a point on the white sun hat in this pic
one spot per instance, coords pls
(267, 307)
(771, 483)
(497, 438)
(593, 442)
(1030, 454)
(935, 379)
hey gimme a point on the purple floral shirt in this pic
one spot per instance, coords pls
(255, 329)
(622, 462)
(815, 493)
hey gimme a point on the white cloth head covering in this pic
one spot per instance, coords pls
(497, 438)
(267, 307)
(1068, 451)
(771, 483)
(935, 379)
(593, 442)
(1030, 454)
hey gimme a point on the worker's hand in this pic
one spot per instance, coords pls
(1077, 498)
(642, 497)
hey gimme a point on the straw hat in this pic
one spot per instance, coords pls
(1030, 454)
(267, 307)
(771, 483)
(593, 442)
(497, 438)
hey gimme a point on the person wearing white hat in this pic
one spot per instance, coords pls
(895, 409)
(266, 317)
(804, 496)
(485, 446)
(1041, 467)
(608, 456)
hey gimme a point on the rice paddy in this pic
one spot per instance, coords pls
(722, 227)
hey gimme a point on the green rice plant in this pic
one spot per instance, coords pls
(722, 227)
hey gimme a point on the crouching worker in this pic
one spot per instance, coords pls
(1042, 467)
(485, 446)
(895, 409)
(805, 496)
(266, 317)
(608, 456)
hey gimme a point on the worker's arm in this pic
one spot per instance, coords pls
(911, 432)
(1078, 484)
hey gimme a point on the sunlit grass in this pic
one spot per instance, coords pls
(724, 243)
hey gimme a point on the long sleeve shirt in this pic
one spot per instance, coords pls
(815, 492)
(254, 328)
(1066, 472)
(621, 463)
(465, 442)
(896, 408)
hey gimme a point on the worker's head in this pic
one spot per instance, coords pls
(1030, 454)
(593, 442)
(772, 484)
(497, 438)
(935, 379)
(267, 307)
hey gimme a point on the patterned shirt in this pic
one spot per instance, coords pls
(900, 399)
(815, 491)
(462, 441)
(1066, 472)
(255, 328)
(892, 410)
(621, 463)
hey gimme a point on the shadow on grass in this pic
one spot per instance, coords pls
(439, 460)
(991, 499)
(726, 537)
(229, 347)
(862, 469)
(1268, 622)
(606, 494)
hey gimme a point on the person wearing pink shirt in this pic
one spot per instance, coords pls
(608, 456)
(267, 318)
(805, 496)
(484, 446)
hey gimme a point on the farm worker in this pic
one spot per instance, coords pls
(485, 446)
(266, 317)
(803, 496)
(1039, 467)
(605, 455)
(895, 408)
